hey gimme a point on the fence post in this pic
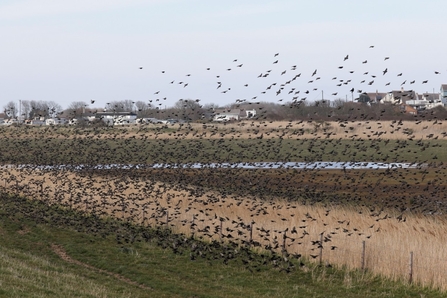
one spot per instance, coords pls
(167, 217)
(363, 254)
(284, 239)
(251, 233)
(221, 229)
(193, 222)
(411, 267)
(321, 248)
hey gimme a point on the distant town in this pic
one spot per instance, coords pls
(395, 104)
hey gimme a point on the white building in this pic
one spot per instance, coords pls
(427, 101)
(56, 121)
(223, 115)
(117, 118)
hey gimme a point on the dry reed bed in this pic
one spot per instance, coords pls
(388, 239)
(251, 129)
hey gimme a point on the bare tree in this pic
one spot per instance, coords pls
(189, 109)
(10, 109)
(338, 103)
(210, 106)
(126, 105)
(76, 109)
(42, 108)
(143, 109)
(26, 108)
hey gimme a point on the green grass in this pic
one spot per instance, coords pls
(30, 268)
(43, 150)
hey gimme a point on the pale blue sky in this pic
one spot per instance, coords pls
(80, 50)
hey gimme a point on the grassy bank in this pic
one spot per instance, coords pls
(99, 262)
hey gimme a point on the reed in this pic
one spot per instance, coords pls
(389, 236)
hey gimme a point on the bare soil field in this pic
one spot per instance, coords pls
(249, 129)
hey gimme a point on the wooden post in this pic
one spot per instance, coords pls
(251, 233)
(284, 238)
(321, 248)
(410, 280)
(167, 217)
(192, 225)
(220, 229)
(363, 254)
(123, 210)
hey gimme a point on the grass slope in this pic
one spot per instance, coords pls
(113, 258)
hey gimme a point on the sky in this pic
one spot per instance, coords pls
(159, 51)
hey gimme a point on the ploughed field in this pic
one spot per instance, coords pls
(410, 190)
(418, 190)
(240, 142)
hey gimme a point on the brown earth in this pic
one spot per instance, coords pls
(246, 129)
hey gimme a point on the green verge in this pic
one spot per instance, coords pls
(155, 258)
(34, 150)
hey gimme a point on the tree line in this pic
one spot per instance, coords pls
(193, 110)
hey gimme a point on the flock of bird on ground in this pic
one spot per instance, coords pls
(253, 208)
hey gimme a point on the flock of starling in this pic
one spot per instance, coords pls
(285, 212)
(289, 86)
(233, 212)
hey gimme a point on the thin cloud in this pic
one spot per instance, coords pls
(38, 8)
(253, 9)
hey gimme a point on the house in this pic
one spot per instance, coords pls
(431, 97)
(408, 109)
(36, 121)
(117, 118)
(8, 122)
(426, 101)
(400, 96)
(148, 120)
(375, 97)
(56, 121)
(444, 94)
(222, 115)
(73, 121)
